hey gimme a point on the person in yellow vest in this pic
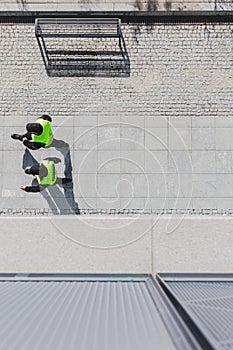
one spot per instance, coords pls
(45, 174)
(38, 135)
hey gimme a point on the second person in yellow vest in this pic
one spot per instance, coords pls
(45, 174)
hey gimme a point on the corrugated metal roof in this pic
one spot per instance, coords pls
(208, 300)
(88, 313)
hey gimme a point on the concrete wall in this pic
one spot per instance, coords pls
(121, 245)
(153, 6)
(159, 138)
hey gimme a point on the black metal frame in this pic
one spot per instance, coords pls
(77, 28)
(115, 24)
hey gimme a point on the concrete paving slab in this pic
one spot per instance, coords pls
(1, 140)
(185, 203)
(109, 203)
(8, 144)
(179, 138)
(187, 240)
(179, 185)
(1, 182)
(134, 185)
(60, 122)
(156, 122)
(111, 120)
(204, 162)
(224, 161)
(85, 162)
(156, 161)
(10, 199)
(45, 248)
(107, 186)
(64, 134)
(134, 137)
(19, 123)
(132, 203)
(224, 138)
(33, 200)
(205, 139)
(205, 122)
(157, 203)
(201, 202)
(133, 162)
(109, 137)
(11, 184)
(85, 138)
(109, 162)
(129, 121)
(223, 203)
(86, 202)
(203, 184)
(180, 162)
(1, 162)
(156, 139)
(181, 122)
(224, 185)
(85, 120)
(12, 162)
(86, 185)
(156, 185)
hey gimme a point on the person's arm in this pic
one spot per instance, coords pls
(30, 188)
(33, 145)
(33, 189)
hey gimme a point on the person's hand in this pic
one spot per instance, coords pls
(22, 188)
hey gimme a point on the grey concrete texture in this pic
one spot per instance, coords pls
(37, 244)
(159, 138)
(115, 5)
(127, 172)
(112, 245)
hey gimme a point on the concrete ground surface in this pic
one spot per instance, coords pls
(124, 245)
(159, 137)
(125, 163)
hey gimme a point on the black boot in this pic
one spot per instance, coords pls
(17, 137)
(66, 180)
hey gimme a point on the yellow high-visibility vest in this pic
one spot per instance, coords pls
(51, 177)
(47, 136)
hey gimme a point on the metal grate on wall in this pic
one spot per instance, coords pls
(207, 300)
(89, 312)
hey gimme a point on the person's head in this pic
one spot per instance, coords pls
(34, 128)
(37, 169)
(46, 117)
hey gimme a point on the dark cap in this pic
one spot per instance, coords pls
(34, 128)
(46, 117)
(33, 170)
(37, 169)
